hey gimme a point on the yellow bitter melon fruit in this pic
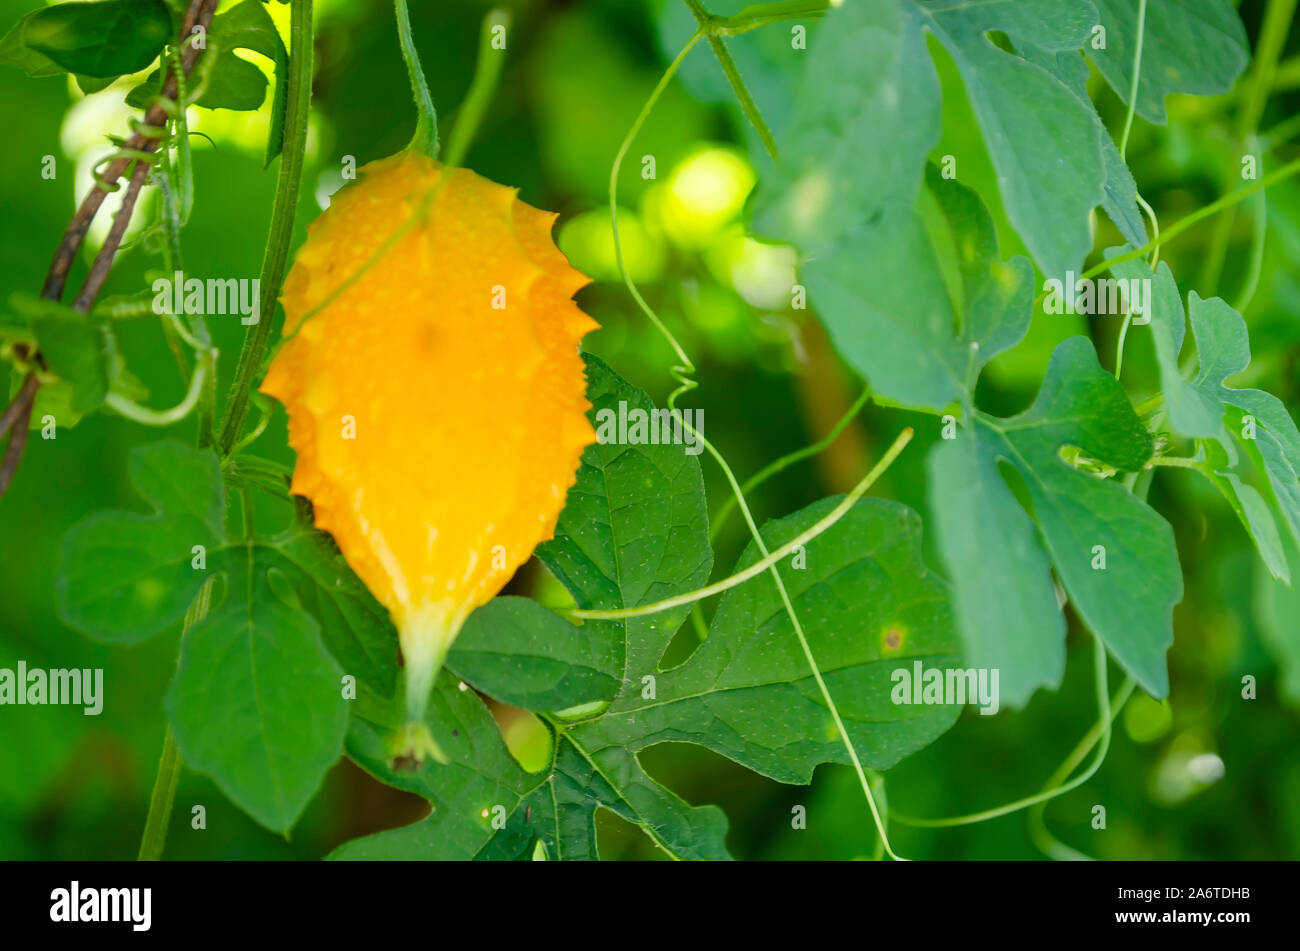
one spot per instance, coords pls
(437, 404)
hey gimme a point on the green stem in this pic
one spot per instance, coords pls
(171, 254)
(426, 126)
(685, 366)
(276, 257)
(770, 560)
(1181, 462)
(481, 88)
(1119, 345)
(681, 373)
(779, 465)
(1155, 229)
(1123, 149)
(160, 802)
(1038, 829)
(166, 417)
(273, 268)
(197, 335)
(1133, 87)
(1272, 38)
(752, 17)
(1256, 255)
(1103, 702)
(169, 763)
(738, 87)
(1182, 224)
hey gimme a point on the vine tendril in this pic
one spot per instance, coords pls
(682, 372)
(1103, 703)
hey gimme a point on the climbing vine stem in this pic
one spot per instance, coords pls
(275, 259)
(169, 763)
(1187, 221)
(1258, 86)
(682, 373)
(1137, 74)
(426, 125)
(1037, 827)
(1103, 703)
(486, 73)
(729, 69)
(274, 263)
(1123, 151)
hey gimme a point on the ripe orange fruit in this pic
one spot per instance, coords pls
(437, 405)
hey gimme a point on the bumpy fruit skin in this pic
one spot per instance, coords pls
(437, 404)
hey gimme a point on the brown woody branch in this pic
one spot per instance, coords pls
(199, 13)
(17, 416)
(104, 259)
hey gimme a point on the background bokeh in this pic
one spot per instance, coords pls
(73, 786)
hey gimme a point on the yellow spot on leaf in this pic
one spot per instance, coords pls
(892, 638)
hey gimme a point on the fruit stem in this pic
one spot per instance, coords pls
(426, 126)
(426, 636)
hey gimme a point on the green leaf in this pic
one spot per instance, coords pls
(1045, 142)
(866, 602)
(92, 84)
(1002, 579)
(480, 783)
(105, 39)
(634, 529)
(257, 699)
(1188, 46)
(1119, 192)
(124, 576)
(78, 349)
(613, 779)
(922, 340)
(1192, 410)
(233, 82)
(908, 279)
(1082, 518)
(15, 52)
(265, 663)
(1260, 421)
(868, 77)
(248, 26)
(868, 607)
(518, 652)
(1205, 408)
(1249, 506)
(354, 626)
